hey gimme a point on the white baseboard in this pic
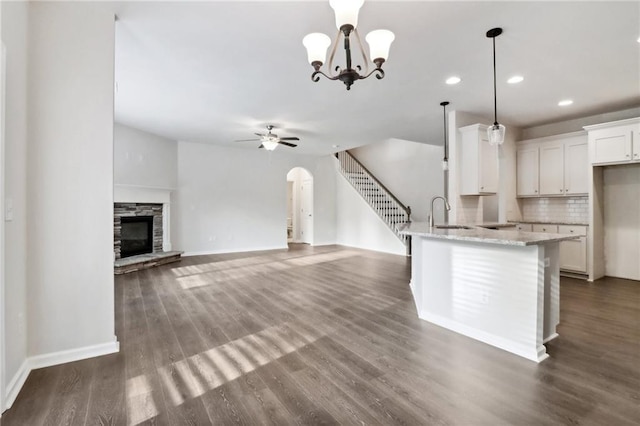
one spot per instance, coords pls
(14, 386)
(62, 357)
(54, 358)
(223, 251)
(537, 354)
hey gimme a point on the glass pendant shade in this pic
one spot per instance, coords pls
(270, 145)
(379, 43)
(495, 134)
(316, 44)
(346, 11)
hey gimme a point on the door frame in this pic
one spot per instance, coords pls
(3, 64)
(299, 174)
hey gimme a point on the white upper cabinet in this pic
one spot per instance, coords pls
(478, 162)
(576, 166)
(616, 142)
(527, 171)
(552, 169)
(553, 166)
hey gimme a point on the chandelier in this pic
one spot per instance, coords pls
(347, 20)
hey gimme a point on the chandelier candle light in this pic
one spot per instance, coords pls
(347, 20)
(495, 133)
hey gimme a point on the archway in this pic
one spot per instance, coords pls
(299, 206)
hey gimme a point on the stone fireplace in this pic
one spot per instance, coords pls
(134, 203)
(137, 229)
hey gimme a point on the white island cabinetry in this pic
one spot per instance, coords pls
(488, 284)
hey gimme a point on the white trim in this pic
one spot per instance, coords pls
(54, 358)
(223, 251)
(489, 338)
(154, 188)
(14, 386)
(77, 354)
(3, 358)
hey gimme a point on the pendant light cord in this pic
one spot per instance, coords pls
(495, 95)
(444, 117)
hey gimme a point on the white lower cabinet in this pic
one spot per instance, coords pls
(543, 227)
(524, 227)
(573, 253)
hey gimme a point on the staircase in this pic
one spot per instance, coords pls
(381, 200)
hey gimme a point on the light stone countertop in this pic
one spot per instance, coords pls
(483, 235)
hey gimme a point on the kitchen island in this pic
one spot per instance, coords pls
(497, 286)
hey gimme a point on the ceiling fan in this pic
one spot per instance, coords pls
(270, 140)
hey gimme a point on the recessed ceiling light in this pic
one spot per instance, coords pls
(335, 146)
(638, 40)
(453, 80)
(515, 79)
(565, 102)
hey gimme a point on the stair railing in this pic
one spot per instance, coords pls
(381, 200)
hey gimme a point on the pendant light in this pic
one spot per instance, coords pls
(495, 133)
(445, 160)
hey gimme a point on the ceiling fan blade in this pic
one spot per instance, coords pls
(246, 140)
(261, 146)
(287, 143)
(261, 135)
(290, 139)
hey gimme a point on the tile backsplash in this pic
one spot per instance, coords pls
(561, 209)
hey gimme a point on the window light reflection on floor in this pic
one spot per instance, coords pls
(219, 272)
(202, 372)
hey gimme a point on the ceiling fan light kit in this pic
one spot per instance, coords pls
(270, 141)
(346, 12)
(495, 132)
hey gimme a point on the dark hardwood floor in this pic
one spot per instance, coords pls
(329, 335)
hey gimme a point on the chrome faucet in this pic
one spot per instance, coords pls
(446, 206)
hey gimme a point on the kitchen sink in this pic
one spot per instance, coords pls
(453, 227)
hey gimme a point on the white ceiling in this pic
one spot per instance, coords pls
(214, 72)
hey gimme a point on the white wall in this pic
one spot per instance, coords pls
(143, 159)
(622, 221)
(70, 180)
(235, 199)
(14, 36)
(358, 225)
(411, 171)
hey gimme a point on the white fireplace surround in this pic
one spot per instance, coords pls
(142, 194)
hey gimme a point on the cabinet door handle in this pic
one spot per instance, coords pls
(535, 190)
(561, 190)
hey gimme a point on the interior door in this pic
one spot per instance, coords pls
(306, 211)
